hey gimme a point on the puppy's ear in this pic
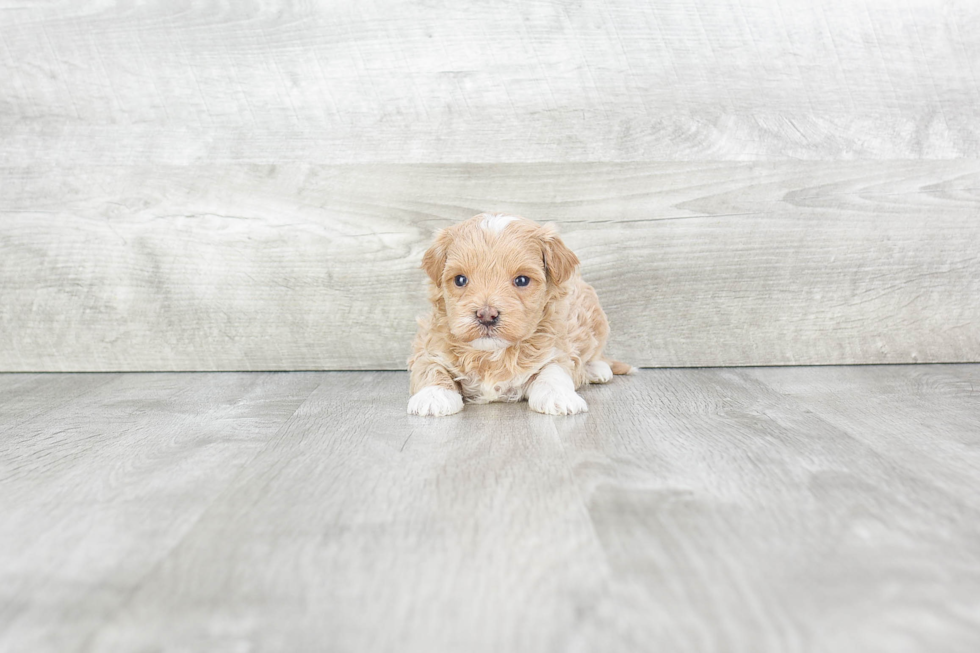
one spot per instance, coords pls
(559, 261)
(434, 259)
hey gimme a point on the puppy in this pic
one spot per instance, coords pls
(511, 319)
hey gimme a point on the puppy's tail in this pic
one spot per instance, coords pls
(620, 368)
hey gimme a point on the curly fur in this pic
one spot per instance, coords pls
(555, 320)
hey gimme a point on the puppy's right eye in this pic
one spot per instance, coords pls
(460, 280)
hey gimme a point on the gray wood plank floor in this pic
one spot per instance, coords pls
(753, 509)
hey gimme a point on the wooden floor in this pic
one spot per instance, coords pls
(778, 509)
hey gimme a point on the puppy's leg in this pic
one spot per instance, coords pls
(598, 371)
(435, 392)
(553, 393)
(435, 401)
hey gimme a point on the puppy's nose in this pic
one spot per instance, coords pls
(487, 315)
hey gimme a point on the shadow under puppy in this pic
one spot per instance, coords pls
(511, 319)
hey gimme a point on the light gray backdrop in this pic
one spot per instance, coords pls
(250, 185)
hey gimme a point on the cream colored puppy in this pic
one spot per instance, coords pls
(511, 319)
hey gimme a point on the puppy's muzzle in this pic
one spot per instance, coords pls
(488, 316)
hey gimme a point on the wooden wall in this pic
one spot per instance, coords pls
(215, 185)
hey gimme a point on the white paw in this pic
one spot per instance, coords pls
(598, 372)
(557, 402)
(553, 393)
(435, 401)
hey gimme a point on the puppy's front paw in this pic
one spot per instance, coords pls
(598, 372)
(553, 393)
(435, 401)
(557, 401)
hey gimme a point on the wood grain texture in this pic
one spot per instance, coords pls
(24, 397)
(926, 418)
(743, 508)
(739, 510)
(93, 82)
(316, 267)
(98, 488)
(241, 186)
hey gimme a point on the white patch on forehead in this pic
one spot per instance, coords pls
(497, 222)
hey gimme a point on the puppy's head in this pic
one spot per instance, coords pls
(496, 274)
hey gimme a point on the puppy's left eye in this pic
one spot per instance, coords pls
(521, 281)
